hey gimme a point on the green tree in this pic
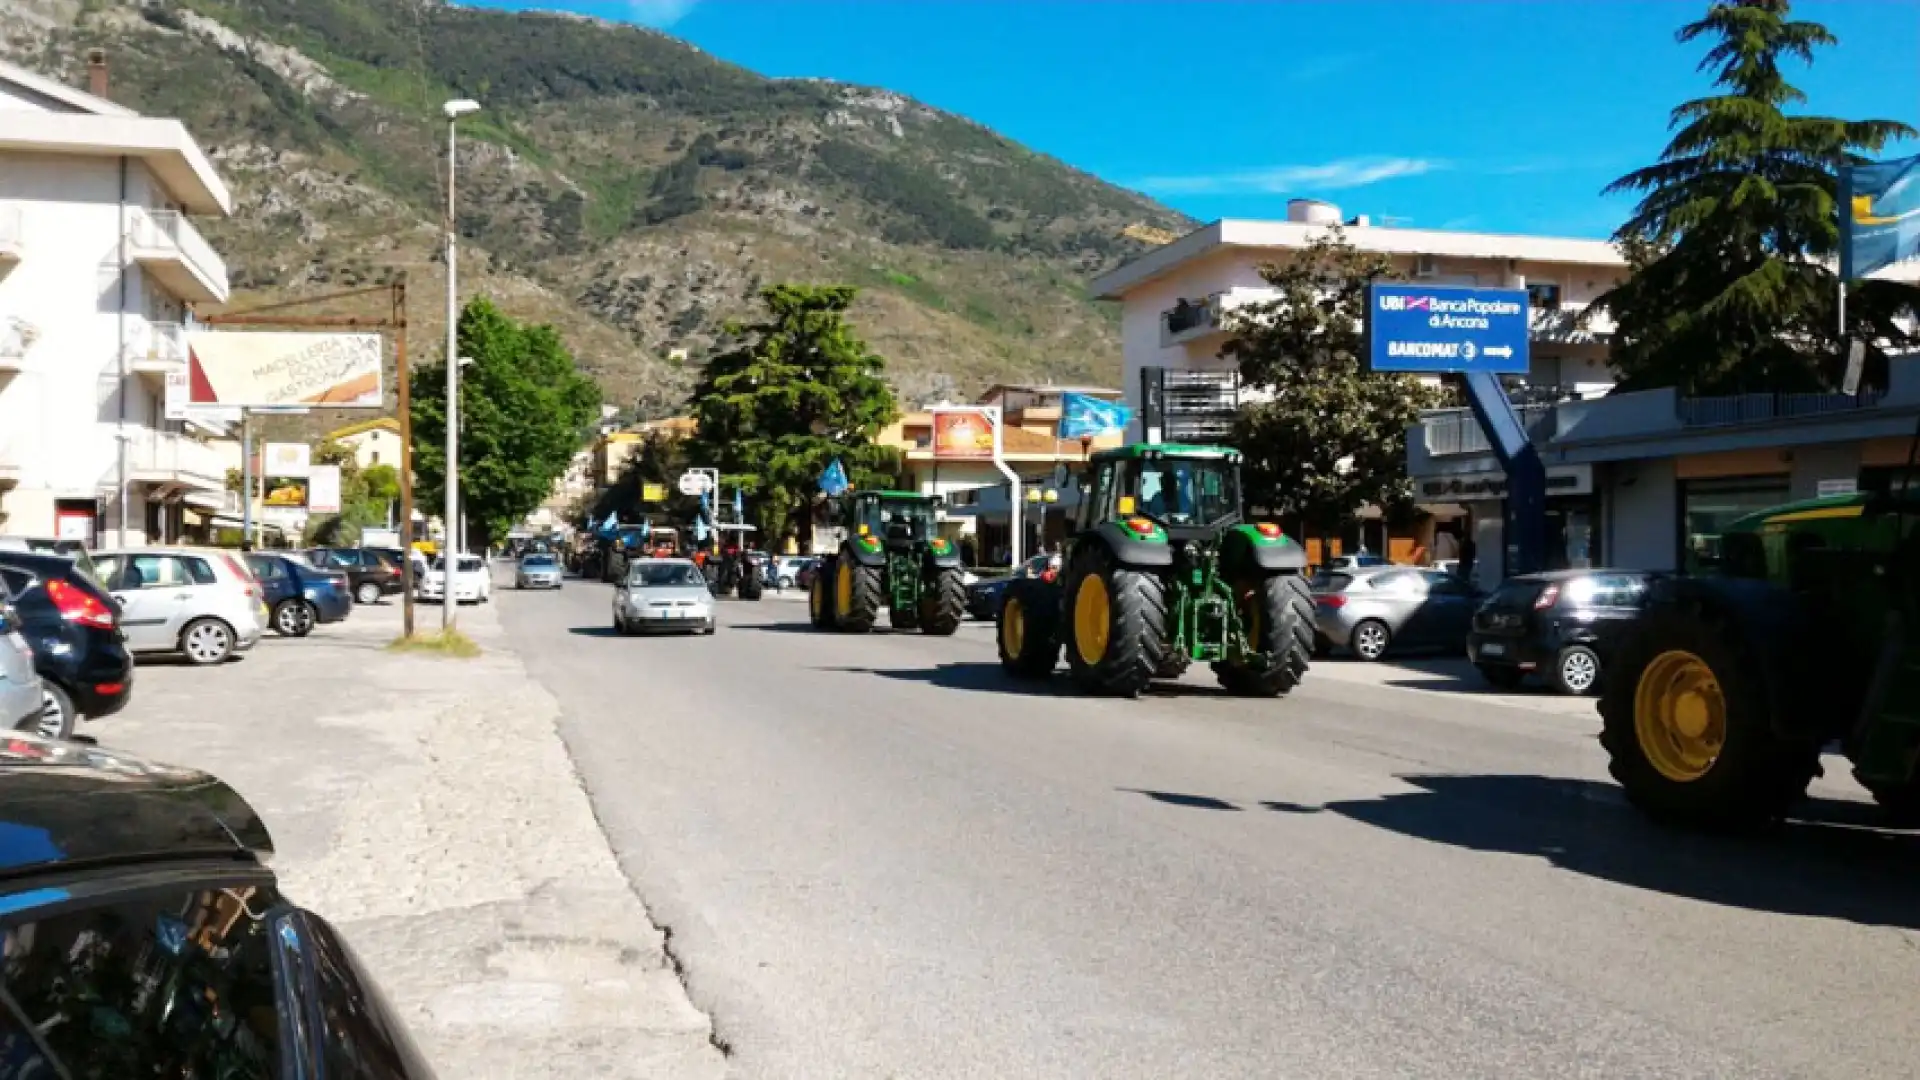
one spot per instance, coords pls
(1727, 290)
(1325, 437)
(524, 409)
(795, 391)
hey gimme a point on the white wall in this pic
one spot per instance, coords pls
(1640, 512)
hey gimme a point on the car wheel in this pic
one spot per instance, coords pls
(367, 592)
(1370, 639)
(1576, 671)
(57, 716)
(206, 641)
(293, 618)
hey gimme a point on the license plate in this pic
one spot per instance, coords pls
(1493, 648)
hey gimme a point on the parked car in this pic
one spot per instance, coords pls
(145, 935)
(1561, 626)
(72, 624)
(787, 568)
(1362, 561)
(299, 594)
(538, 570)
(37, 545)
(803, 577)
(1369, 610)
(472, 581)
(372, 572)
(22, 703)
(663, 594)
(202, 603)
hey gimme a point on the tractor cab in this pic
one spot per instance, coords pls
(1190, 492)
(900, 519)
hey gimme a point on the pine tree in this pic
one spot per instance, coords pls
(1730, 248)
(796, 391)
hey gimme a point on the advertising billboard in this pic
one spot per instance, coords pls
(323, 489)
(260, 369)
(961, 435)
(1447, 329)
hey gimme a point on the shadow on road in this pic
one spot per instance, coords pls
(985, 677)
(779, 627)
(1828, 862)
(593, 631)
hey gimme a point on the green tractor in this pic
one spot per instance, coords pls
(1160, 571)
(891, 558)
(1720, 700)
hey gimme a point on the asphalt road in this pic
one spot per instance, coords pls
(877, 857)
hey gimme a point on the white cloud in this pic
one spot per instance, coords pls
(658, 13)
(1288, 179)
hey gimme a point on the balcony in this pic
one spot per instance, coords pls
(16, 337)
(157, 351)
(1189, 321)
(1455, 431)
(1761, 408)
(168, 460)
(12, 448)
(172, 251)
(13, 241)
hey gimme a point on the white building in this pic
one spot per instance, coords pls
(99, 260)
(1174, 298)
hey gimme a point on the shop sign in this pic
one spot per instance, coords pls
(1470, 487)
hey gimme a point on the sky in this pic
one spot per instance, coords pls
(1456, 114)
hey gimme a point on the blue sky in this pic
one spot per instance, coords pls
(1462, 114)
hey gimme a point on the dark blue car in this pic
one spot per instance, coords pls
(300, 595)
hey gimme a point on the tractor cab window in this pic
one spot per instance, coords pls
(1186, 492)
(906, 520)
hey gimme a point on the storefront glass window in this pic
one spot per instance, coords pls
(1708, 506)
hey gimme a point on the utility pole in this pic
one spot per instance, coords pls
(396, 321)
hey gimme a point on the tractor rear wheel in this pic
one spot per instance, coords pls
(1027, 631)
(750, 585)
(1687, 722)
(1116, 627)
(1278, 612)
(858, 594)
(820, 595)
(943, 605)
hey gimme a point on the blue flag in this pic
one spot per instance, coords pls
(1880, 216)
(1085, 416)
(834, 481)
(739, 507)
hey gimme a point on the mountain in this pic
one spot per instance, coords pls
(619, 183)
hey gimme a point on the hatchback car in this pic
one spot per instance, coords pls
(472, 581)
(1368, 611)
(372, 571)
(202, 603)
(1561, 626)
(142, 934)
(663, 594)
(538, 570)
(73, 627)
(299, 594)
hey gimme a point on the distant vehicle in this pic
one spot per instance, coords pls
(72, 625)
(1369, 610)
(1361, 561)
(202, 603)
(146, 935)
(1562, 626)
(373, 572)
(663, 594)
(22, 703)
(786, 569)
(538, 570)
(472, 581)
(299, 594)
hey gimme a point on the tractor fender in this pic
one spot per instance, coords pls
(1128, 549)
(1244, 548)
(854, 552)
(949, 561)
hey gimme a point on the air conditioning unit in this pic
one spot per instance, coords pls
(1426, 266)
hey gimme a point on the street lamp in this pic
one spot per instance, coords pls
(1042, 499)
(455, 110)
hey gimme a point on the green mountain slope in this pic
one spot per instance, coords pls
(620, 183)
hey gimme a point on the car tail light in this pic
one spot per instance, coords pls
(109, 687)
(1332, 601)
(240, 570)
(1547, 598)
(1050, 575)
(79, 606)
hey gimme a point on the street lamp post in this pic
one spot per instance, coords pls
(448, 559)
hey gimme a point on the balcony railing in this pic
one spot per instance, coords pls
(1455, 431)
(161, 347)
(13, 240)
(1760, 408)
(1189, 319)
(161, 235)
(16, 337)
(172, 457)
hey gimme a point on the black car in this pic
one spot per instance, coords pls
(143, 934)
(372, 572)
(73, 627)
(1561, 625)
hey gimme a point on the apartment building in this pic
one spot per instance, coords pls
(100, 263)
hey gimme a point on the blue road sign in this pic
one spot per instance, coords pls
(1433, 329)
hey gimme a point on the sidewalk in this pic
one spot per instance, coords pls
(428, 808)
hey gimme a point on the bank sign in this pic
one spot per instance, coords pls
(1433, 329)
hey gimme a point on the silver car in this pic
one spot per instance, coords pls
(663, 594)
(22, 702)
(538, 571)
(1372, 609)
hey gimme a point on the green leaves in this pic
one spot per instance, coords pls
(797, 390)
(524, 407)
(1728, 292)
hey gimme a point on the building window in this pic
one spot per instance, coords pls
(1543, 296)
(1707, 507)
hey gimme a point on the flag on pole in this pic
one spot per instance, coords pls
(1085, 416)
(739, 508)
(834, 481)
(1879, 216)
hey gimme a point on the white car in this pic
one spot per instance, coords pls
(663, 594)
(22, 702)
(472, 581)
(202, 603)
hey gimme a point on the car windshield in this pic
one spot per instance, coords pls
(1185, 491)
(538, 562)
(656, 574)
